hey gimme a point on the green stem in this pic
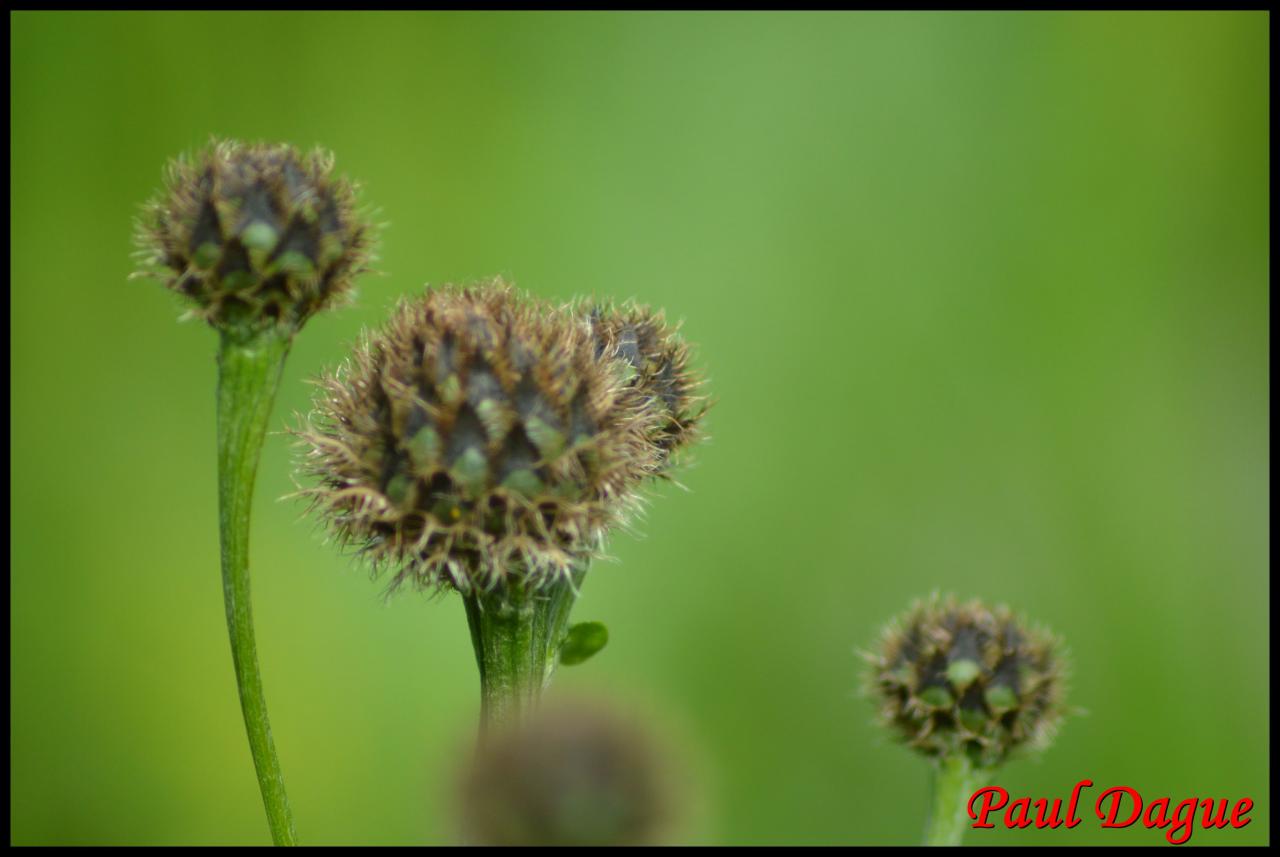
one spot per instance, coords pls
(516, 632)
(955, 779)
(249, 370)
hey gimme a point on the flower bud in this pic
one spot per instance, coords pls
(256, 235)
(654, 362)
(578, 774)
(479, 434)
(961, 678)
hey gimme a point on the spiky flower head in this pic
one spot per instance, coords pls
(255, 235)
(962, 678)
(655, 361)
(575, 774)
(479, 434)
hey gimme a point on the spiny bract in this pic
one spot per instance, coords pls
(656, 360)
(256, 235)
(479, 434)
(956, 678)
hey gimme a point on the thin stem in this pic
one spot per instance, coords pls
(955, 779)
(248, 376)
(517, 631)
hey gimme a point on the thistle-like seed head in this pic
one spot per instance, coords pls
(479, 434)
(578, 774)
(255, 235)
(961, 678)
(655, 361)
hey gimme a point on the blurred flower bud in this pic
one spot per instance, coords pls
(575, 774)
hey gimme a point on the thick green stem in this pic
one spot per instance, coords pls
(955, 779)
(517, 633)
(248, 376)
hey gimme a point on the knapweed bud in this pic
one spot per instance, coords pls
(478, 434)
(575, 774)
(653, 360)
(256, 235)
(961, 678)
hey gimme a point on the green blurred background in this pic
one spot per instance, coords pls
(983, 298)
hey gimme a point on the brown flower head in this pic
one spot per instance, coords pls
(955, 678)
(255, 235)
(479, 434)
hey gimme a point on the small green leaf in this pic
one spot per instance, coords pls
(583, 640)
